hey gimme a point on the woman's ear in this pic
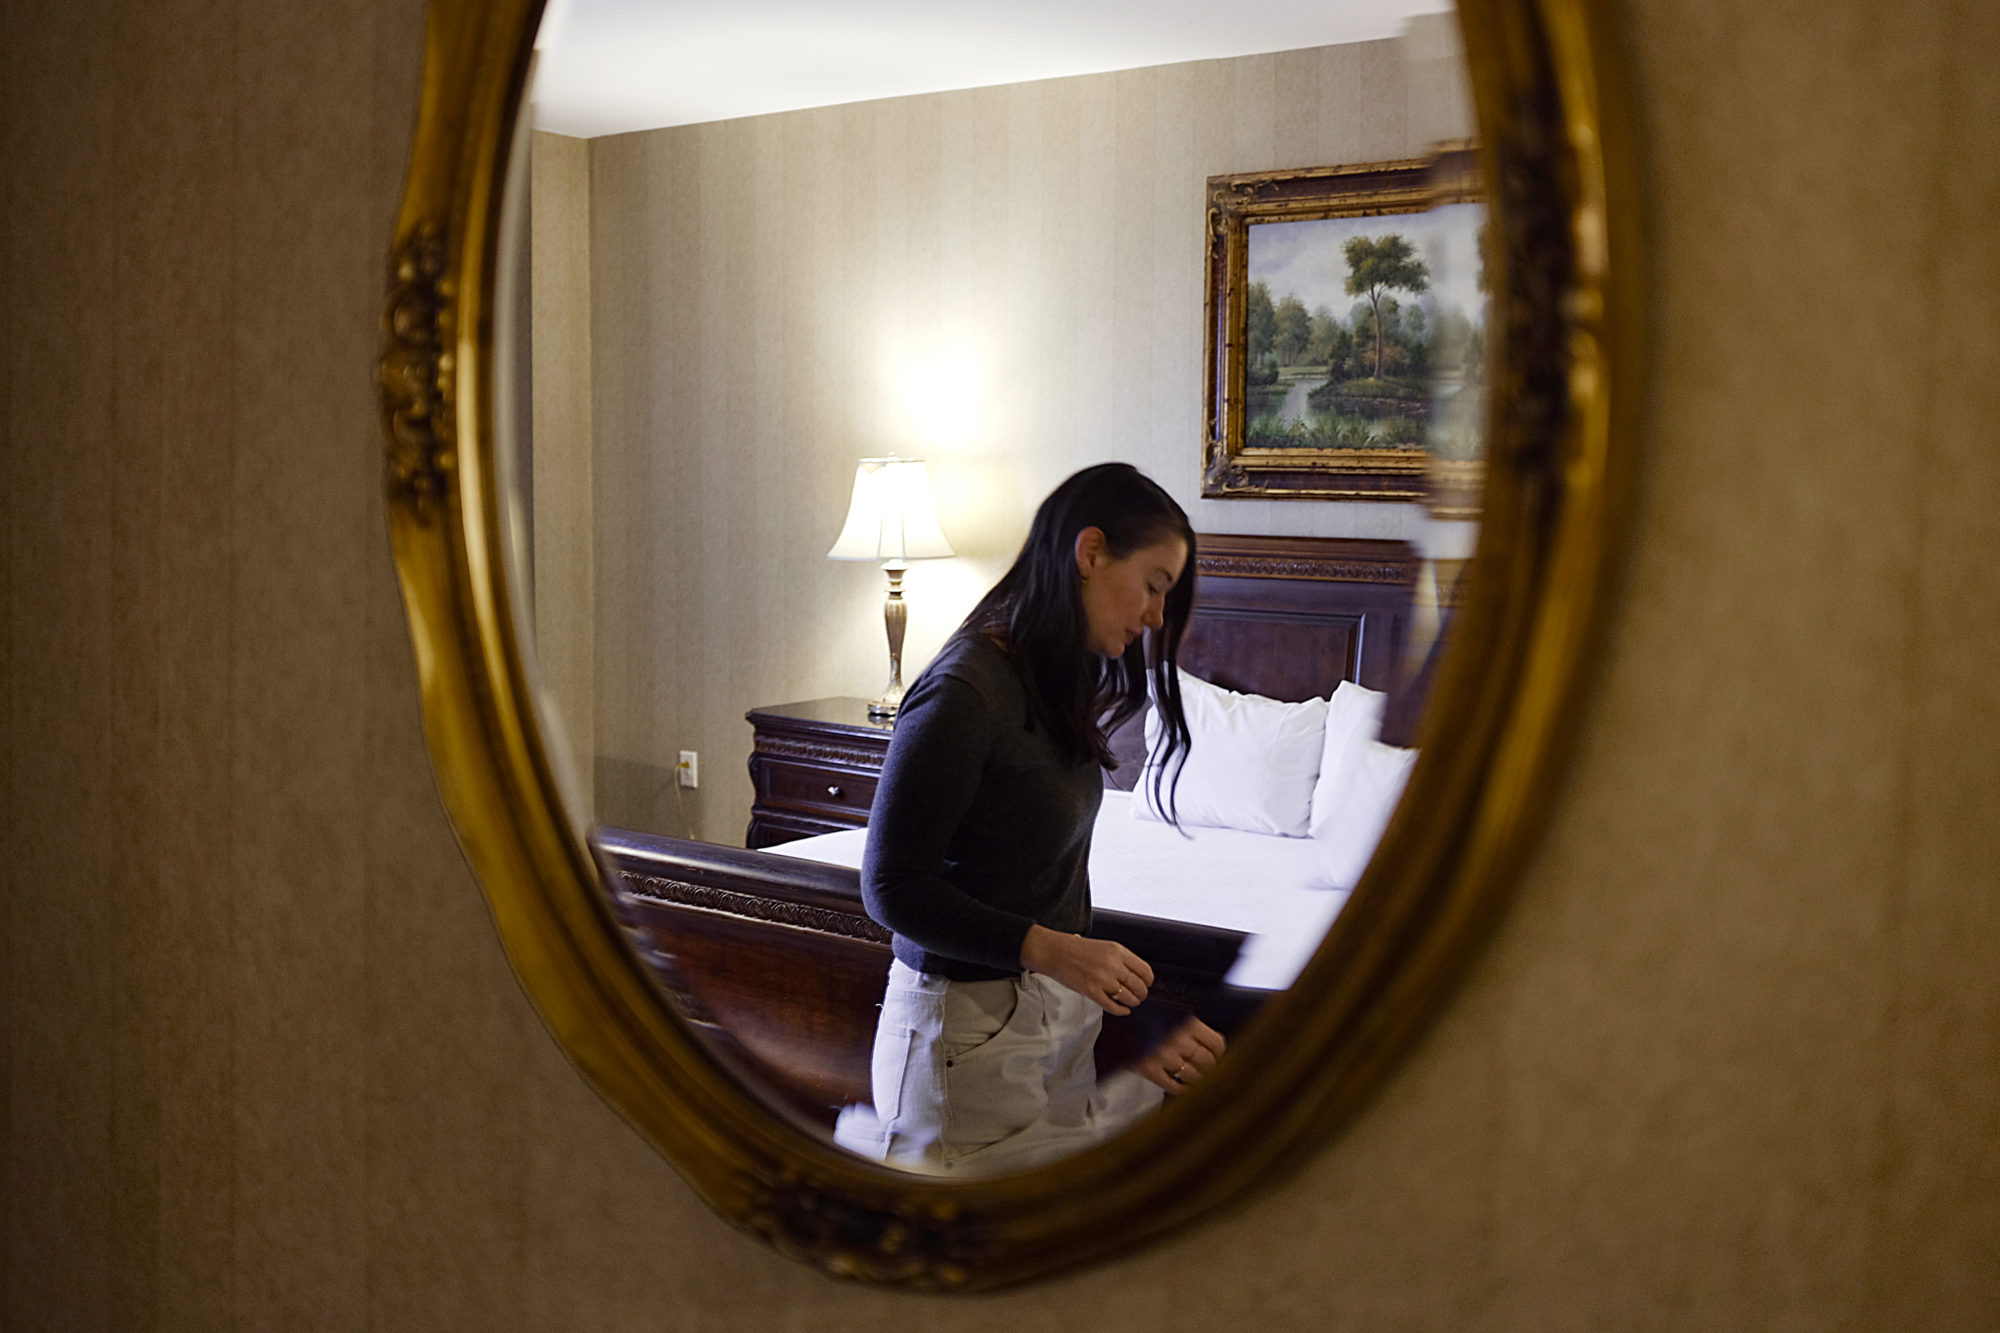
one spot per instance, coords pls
(1091, 550)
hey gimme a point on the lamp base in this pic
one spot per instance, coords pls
(885, 705)
(894, 615)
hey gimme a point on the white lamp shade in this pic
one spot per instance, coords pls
(891, 516)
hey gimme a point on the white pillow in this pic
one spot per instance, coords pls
(1252, 764)
(1375, 777)
(1353, 718)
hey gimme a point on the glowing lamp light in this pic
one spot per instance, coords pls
(891, 518)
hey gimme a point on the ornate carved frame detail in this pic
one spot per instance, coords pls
(1552, 150)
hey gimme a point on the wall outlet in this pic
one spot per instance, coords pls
(689, 769)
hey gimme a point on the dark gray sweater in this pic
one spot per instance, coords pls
(979, 827)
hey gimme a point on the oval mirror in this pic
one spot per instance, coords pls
(650, 364)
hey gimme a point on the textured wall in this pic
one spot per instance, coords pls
(770, 295)
(1732, 1061)
(558, 330)
(254, 1076)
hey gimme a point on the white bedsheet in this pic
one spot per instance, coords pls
(1266, 886)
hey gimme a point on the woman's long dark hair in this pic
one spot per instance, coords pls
(1037, 606)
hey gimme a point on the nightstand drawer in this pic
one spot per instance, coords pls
(813, 768)
(795, 786)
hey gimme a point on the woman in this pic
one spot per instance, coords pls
(979, 842)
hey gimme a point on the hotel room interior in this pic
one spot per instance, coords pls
(1728, 1058)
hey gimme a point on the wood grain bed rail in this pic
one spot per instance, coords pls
(774, 959)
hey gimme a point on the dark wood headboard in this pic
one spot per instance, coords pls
(775, 958)
(1290, 618)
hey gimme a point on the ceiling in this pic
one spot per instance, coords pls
(612, 66)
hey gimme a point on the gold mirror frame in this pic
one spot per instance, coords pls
(1565, 353)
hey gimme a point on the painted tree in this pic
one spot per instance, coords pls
(1294, 330)
(1260, 326)
(1417, 339)
(1376, 265)
(1319, 343)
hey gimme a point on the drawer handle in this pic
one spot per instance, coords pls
(835, 792)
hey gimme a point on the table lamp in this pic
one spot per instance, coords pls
(891, 519)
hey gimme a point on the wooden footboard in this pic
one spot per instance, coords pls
(773, 958)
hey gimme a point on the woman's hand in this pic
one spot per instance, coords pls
(1100, 970)
(1183, 1057)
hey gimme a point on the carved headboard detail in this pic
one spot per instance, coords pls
(1290, 618)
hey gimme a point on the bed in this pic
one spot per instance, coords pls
(1266, 889)
(770, 953)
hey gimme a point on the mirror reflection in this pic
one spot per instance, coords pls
(788, 375)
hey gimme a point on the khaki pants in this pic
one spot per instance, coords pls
(980, 1077)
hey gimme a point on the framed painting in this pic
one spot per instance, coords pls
(1346, 333)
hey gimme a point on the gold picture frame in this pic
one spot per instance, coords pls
(1563, 365)
(1246, 454)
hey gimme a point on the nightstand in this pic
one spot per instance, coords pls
(813, 767)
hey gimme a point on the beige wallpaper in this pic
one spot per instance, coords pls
(1007, 282)
(1731, 1062)
(559, 494)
